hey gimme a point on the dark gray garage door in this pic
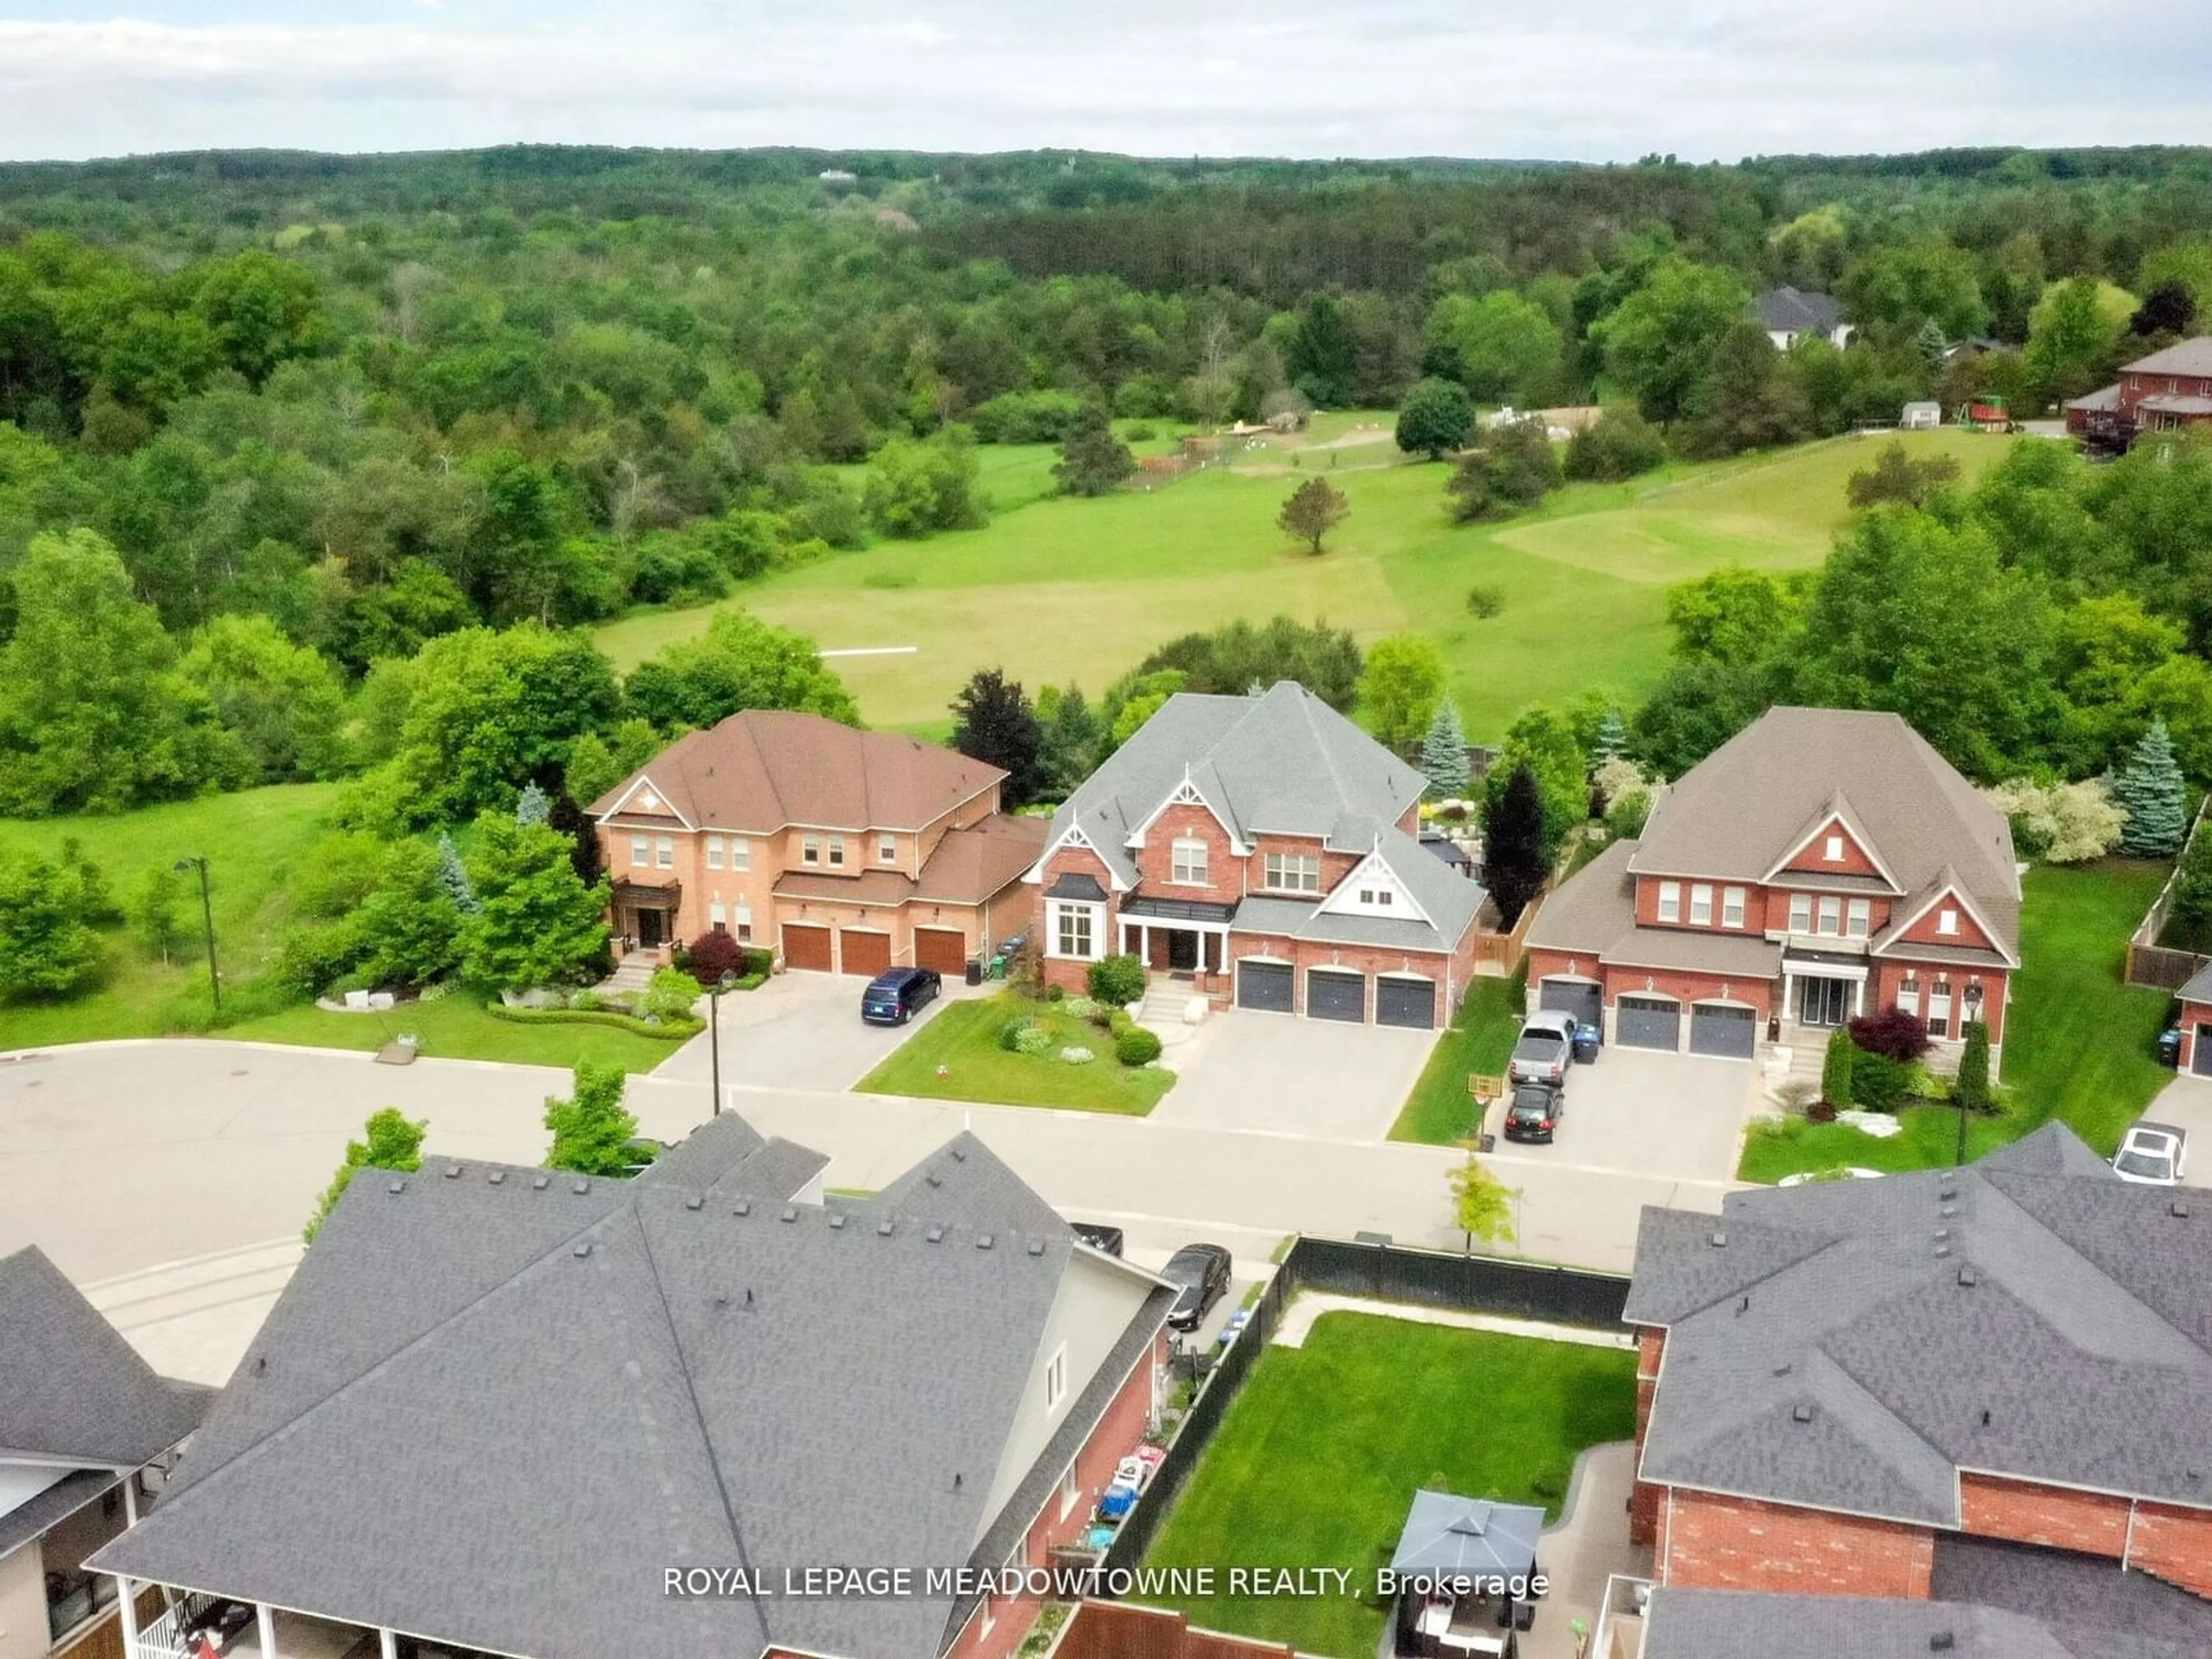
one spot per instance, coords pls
(1264, 985)
(1718, 1029)
(1578, 997)
(1336, 996)
(2200, 1054)
(1648, 1023)
(1405, 1002)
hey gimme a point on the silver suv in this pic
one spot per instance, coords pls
(1545, 1049)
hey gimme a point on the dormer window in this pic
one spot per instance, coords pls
(1834, 851)
(1946, 920)
(1187, 862)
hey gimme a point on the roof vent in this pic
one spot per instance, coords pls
(1036, 1247)
(1942, 1249)
(1720, 1239)
(1948, 1210)
(932, 1179)
(452, 1172)
(2178, 1209)
(1985, 1417)
(695, 1202)
(1969, 1278)
(261, 1365)
(1783, 1369)
(1801, 1414)
(743, 1206)
(497, 1177)
(983, 1241)
(538, 1182)
(580, 1188)
(935, 1235)
(790, 1214)
(722, 1301)
(748, 1298)
(837, 1220)
(883, 1228)
(1948, 1190)
(959, 1154)
(584, 1249)
(1743, 1306)
(1941, 1642)
(1942, 1233)
(396, 1187)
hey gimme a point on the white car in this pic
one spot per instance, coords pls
(2152, 1154)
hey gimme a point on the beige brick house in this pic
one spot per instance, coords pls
(841, 851)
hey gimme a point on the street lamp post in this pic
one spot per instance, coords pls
(715, 1033)
(207, 919)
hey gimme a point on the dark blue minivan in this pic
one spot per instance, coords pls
(897, 994)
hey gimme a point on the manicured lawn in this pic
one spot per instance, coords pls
(1319, 1458)
(253, 841)
(2078, 1046)
(456, 1027)
(962, 1038)
(1062, 589)
(1440, 1110)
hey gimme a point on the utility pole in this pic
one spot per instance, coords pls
(207, 921)
(714, 1034)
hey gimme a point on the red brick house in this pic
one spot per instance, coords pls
(2194, 1059)
(1856, 1388)
(2167, 389)
(842, 851)
(1821, 863)
(1265, 849)
(500, 1411)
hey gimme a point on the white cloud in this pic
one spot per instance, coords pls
(1573, 79)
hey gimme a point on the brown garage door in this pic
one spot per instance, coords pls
(942, 949)
(806, 947)
(865, 953)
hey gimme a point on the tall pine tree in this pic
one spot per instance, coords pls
(453, 876)
(1443, 755)
(997, 725)
(2149, 791)
(1611, 740)
(1513, 862)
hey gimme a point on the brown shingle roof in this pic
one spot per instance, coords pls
(1734, 813)
(1595, 915)
(968, 866)
(764, 769)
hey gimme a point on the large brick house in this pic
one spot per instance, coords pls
(497, 1407)
(1860, 1388)
(1266, 849)
(2167, 389)
(842, 851)
(1821, 863)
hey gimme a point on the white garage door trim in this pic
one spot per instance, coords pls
(1337, 979)
(1742, 1020)
(1647, 1007)
(1425, 982)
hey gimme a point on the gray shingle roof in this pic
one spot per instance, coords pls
(71, 1389)
(2198, 986)
(1853, 1344)
(1796, 312)
(1467, 1537)
(1283, 763)
(492, 1411)
(2093, 1605)
(2188, 357)
(1698, 1624)
(2105, 396)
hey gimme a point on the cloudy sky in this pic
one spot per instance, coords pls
(1577, 79)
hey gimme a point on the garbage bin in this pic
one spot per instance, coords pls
(975, 974)
(2169, 1047)
(1588, 1039)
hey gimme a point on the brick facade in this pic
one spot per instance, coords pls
(2054, 1516)
(1714, 1542)
(2173, 1544)
(1645, 1499)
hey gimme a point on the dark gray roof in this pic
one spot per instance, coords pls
(2189, 357)
(1595, 915)
(2105, 396)
(2178, 402)
(2088, 1601)
(1074, 884)
(1283, 763)
(1851, 1344)
(71, 1389)
(1467, 1537)
(1701, 1624)
(20, 1525)
(1793, 311)
(492, 1408)
(2198, 986)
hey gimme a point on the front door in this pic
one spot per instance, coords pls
(650, 929)
(1823, 1001)
(1182, 952)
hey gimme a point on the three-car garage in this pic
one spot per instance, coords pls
(1336, 992)
(1333, 994)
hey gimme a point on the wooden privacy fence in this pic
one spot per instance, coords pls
(2156, 966)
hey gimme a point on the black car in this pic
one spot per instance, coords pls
(1098, 1238)
(897, 994)
(1534, 1112)
(1200, 1273)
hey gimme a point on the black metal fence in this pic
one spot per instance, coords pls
(1377, 1270)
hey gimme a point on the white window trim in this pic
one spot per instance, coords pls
(810, 849)
(1732, 907)
(1947, 921)
(1094, 921)
(1670, 900)
(1833, 851)
(1801, 913)
(1858, 918)
(641, 852)
(713, 852)
(1828, 921)
(1055, 1379)
(664, 852)
(1701, 905)
(1305, 866)
(836, 852)
(887, 851)
(1070, 1491)
(1178, 865)
(741, 852)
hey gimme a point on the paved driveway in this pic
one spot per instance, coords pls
(798, 1031)
(1636, 1112)
(1326, 1078)
(2186, 1104)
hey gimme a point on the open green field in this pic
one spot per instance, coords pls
(2077, 1045)
(1319, 1457)
(1067, 589)
(962, 1042)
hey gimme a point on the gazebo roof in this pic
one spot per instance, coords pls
(1448, 1536)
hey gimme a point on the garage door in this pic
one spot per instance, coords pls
(864, 952)
(2200, 1055)
(1264, 985)
(1336, 996)
(942, 949)
(806, 947)
(1578, 997)
(1717, 1028)
(1405, 1002)
(1648, 1023)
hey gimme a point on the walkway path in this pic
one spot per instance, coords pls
(1308, 1306)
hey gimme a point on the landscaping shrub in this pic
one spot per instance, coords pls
(1973, 1085)
(670, 994)
(1117, 979)
(1835, 1069)
(1629, 811)
(587, 1001)
(1010, 1034)
(1893, 1034)
(713, 954)
(1486, 600)
(1137, 1046)
(1879, 1084)
(1076, 1056)
(666, 1030)
(1032, 1039)
(1081, 1007)
(1618, 445)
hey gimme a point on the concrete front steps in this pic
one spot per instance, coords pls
(195, 1319)
(1172, 1010)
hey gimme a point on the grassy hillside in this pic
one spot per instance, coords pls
(1062, 589)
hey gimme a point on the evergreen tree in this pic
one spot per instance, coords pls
(1513, 862)
(1092, 461)
(453, 876)
(995, 725)
(591, 1130)
(1835, 1070)
(1443, 755)
(1611, 741)
(2149, 791)
(533, 806)
(535, 923)
(1972, 1085)
(1073, 739)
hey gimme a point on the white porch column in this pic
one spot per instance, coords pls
(266, 1625)
(1144, 943)
(387, 1645)
(1858, 998)
(131, 1500)
(126, 1604)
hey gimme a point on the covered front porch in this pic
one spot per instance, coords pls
(1185, 938)
(162, 1623)
(1821, 990)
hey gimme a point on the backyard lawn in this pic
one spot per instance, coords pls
(2077, 1045)
(1064, 589)
(962, 1041)
(1439, 1110)
(1321, 1454)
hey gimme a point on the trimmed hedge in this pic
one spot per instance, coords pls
(666, 1030)
(1137, 1046)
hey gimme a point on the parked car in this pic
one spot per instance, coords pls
(1098, 1238)
(897, 994)
(1545, 1048)
(1534, 1112)
(1200, 1273)
(1589, 1038)
(2153, 1155)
